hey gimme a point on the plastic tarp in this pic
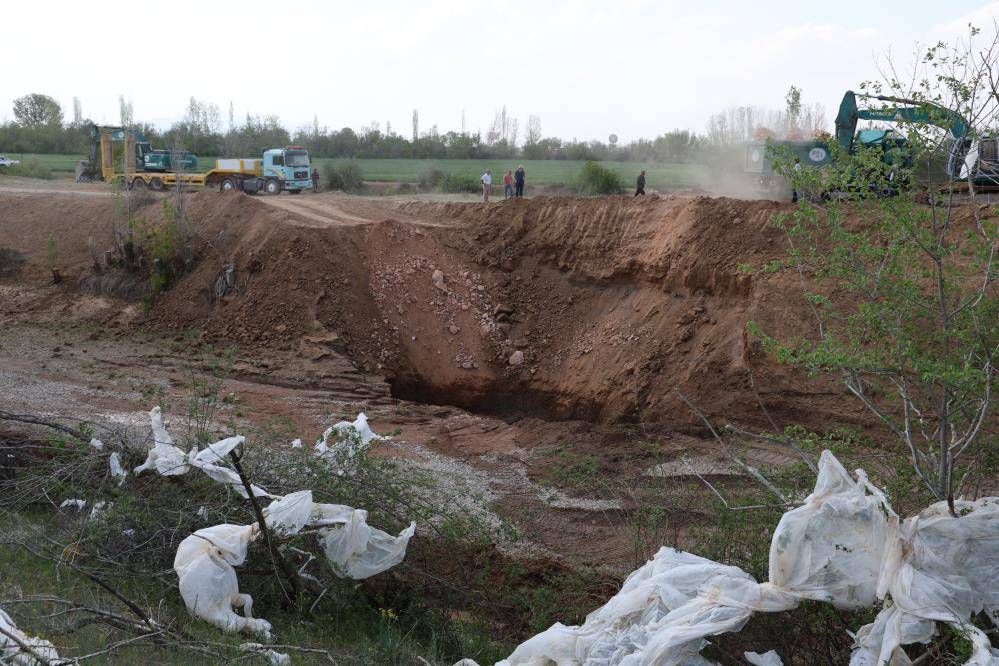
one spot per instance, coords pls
(168, 460)
(12, 653)
(844, 545)
(205, 564)
(163, 456)
(351, 437)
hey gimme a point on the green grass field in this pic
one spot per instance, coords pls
(539, 172)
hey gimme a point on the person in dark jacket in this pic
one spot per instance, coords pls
(640, 184)
(315, 179)
(518, 178)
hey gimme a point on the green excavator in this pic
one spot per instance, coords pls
(105, 139)
(970, 157)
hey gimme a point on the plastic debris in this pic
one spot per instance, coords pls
(117, 471)
(96, 443)
(770, 658)
(208, 584)
(101, 507)
(77, 504)
(273, 657)
(13, 653)
(357, 549)
(845, 545)
(164, 457)
(351, 438)
(296, 443)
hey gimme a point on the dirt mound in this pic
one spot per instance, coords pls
(595, 309)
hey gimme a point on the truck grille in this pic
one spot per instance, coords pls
(301, 174)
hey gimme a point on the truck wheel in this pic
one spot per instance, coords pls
(228, 184)
(294, 191)
(138, 184)
(272, 186)
(156, 184)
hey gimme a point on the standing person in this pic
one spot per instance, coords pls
(508, 184)
(487, 184)
(518, 178)
(797, 168)
(640, 184)
(315, 179)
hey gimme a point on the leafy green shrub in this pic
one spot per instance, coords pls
(596, 180)
(30, 169)
(429, 178)
(347, 177)
(453, 183)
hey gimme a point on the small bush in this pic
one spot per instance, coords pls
(429, 178)
(30, 169)
(347, 177)
(596, 180)
(453, 183)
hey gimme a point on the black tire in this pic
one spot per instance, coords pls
(156, 184)
(227, 185)
(294, 191)
(272, 186)
(138, 184)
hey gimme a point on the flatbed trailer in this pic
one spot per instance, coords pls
(247, 175)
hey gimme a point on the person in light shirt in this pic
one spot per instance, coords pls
(487, 184)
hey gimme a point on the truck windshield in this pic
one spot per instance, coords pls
(296, 158)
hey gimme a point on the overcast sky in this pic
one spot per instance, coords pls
(588, 68)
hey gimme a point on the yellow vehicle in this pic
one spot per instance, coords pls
(279, 169)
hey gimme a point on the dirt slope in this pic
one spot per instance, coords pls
(610, 303)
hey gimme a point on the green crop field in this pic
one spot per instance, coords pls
(539, 172)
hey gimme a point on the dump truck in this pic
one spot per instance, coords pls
(278, 169)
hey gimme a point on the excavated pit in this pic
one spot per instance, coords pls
(555, 308)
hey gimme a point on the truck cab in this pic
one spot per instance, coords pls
(286, 168)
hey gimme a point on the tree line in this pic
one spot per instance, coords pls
(40, 126)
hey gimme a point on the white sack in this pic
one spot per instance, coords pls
(96, 443)
(12, 653)
(77, 504)
(204, 563)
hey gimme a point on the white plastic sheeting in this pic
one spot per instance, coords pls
(163, 456)
(204, 563)
(351, 438)
(12, 653)
(844, 545)
(205, 560)
(77, 504)
(168, 460)
(117, 471)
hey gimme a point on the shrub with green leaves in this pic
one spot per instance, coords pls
(455, 183)
(346, 177)
(29, 169)
(596, 180)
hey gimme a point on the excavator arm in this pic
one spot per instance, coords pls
(914, 111)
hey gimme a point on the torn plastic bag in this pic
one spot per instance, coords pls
(117, 471)
(204, 563)
(289, 514)
(350, 439)
(12, 653)
(164, 457)
(357, 549)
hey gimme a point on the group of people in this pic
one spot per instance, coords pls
(513, 183)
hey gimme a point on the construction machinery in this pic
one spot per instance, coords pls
(970, 157)
(136, 165)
